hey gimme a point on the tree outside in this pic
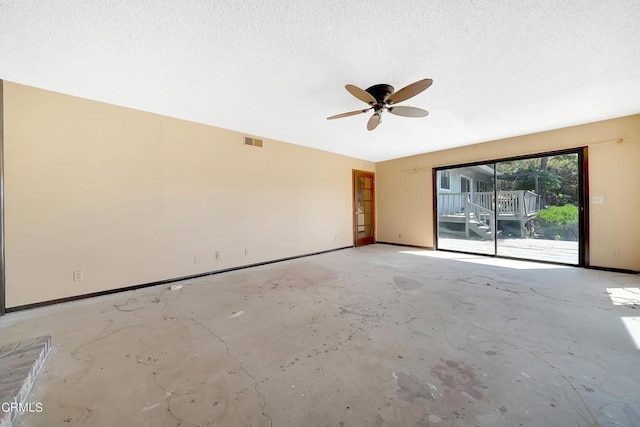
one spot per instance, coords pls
(555, 180)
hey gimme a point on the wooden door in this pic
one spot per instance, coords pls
(363, 208)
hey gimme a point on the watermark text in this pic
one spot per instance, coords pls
(27, 407)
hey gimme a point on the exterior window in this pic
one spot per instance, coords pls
(482, 187)
(445, 182)
(465, 184)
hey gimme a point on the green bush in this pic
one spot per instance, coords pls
(557, 222)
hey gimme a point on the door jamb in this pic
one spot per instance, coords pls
(3, 288)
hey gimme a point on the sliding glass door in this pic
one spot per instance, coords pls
(466, 217)
(529, 208)
(539, 207)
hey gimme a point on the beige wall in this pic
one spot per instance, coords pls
(129, 197)
(405, 201)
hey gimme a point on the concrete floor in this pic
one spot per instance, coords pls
(375, 336)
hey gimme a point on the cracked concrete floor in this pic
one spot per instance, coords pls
(374, 336)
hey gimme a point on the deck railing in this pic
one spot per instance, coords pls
(480, 214)
(520, 203)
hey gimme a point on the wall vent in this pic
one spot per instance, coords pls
(254, 142)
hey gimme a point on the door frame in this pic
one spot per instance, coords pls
(354, 198)
(583, 200)
(3, 286)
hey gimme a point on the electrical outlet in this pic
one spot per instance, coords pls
(196, 259)
(246, 252)
(399, 235)
(217, 254)
(598, 200)
(78, 276)
(616, 253)
(175, 287)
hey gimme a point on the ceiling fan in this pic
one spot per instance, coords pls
(382, 97)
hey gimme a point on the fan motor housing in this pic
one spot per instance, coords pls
(380, 92)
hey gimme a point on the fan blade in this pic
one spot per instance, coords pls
(350, 113)
(409, 91)
(374, 121)
(408, 111)
(362, 95)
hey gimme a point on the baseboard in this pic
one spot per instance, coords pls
(162, 282)
(405, 245)
(613, 270)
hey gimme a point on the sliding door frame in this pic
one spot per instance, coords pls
(583, 198)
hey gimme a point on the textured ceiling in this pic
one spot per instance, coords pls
(277, 68)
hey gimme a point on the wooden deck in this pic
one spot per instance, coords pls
(512, 204)
(480, 211)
